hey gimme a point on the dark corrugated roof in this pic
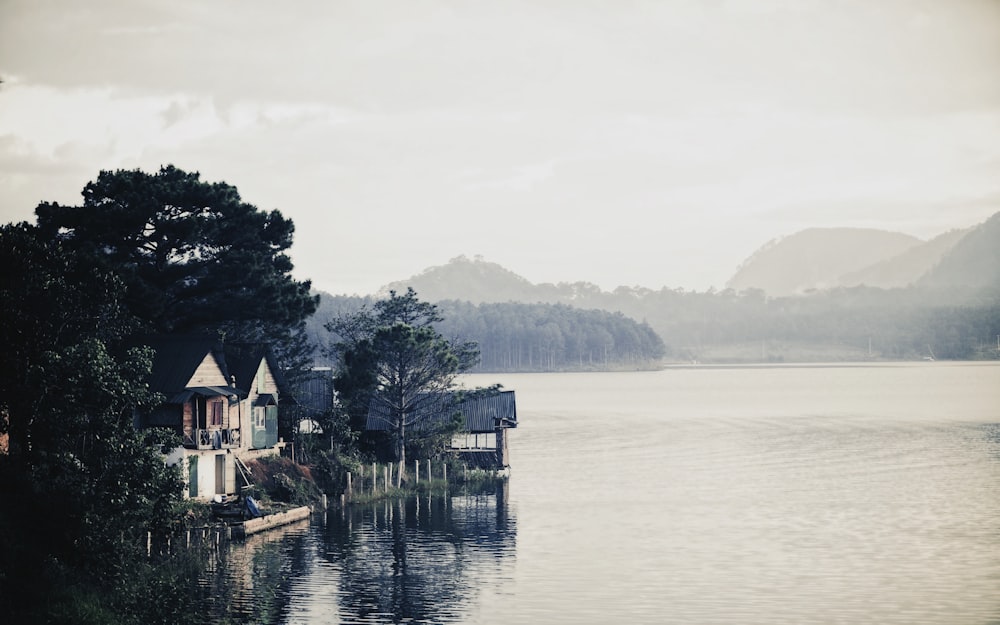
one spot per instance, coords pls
(266, 399)
(243, 359)
(206, 391)
(482, 414)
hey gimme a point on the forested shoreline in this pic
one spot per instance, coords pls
(514, 336)
(600, 331)
(892, 324)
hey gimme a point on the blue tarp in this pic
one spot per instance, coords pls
(252, 507)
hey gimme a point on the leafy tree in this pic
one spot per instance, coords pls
(79, 483)
(194, 257)
(392, 354)
(50, 298)
(80, 510)
(192, 254)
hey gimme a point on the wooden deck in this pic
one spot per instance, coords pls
(268, 521)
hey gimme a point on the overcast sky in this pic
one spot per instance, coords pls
(617, 142)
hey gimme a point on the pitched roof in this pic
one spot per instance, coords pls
(178, 357)
(482, 413)
(243, 360)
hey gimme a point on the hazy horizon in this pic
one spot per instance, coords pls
(653, 144)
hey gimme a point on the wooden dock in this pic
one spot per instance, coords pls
(268, 521)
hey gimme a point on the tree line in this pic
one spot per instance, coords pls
(904, 323)
(599, 331)
(513, 336)
(551, 337)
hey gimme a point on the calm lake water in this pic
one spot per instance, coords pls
(755, 495)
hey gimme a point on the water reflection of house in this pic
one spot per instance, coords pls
(482, 441)
(444, 552)
(223, 402)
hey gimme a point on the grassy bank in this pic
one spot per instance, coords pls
(278, 481)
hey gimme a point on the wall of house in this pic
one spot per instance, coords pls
(269, 383)
(503, 453)
(234, 412)
(187, 418)
(207, 471)
(208, 373)
(266, 435)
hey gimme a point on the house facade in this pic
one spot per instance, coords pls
(222, 401)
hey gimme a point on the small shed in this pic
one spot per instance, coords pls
(483, 441)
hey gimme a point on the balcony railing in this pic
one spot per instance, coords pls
(214, 438)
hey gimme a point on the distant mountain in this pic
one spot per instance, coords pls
(974, 261)
(479, 281)
(907, 268)
(472, 280)
(816, 258)
(942, 293)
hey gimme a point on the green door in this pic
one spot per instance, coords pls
(220, 474)
(271, 425)
(193, 476)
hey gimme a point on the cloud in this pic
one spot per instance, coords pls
(886, 57)
(407, 133)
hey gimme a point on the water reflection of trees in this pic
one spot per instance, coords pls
(249, 581)
(420, 559)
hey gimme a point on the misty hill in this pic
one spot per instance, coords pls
(482, 282)
(816, 258)
(853, 320)
(974, 261)
(908, 267)
(476, 281)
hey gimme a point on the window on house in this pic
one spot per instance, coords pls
(216, 414)
(258, 417)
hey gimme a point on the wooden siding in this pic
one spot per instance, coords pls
(188, 425)
(266, 436)
(208, 373)
(270, 383)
